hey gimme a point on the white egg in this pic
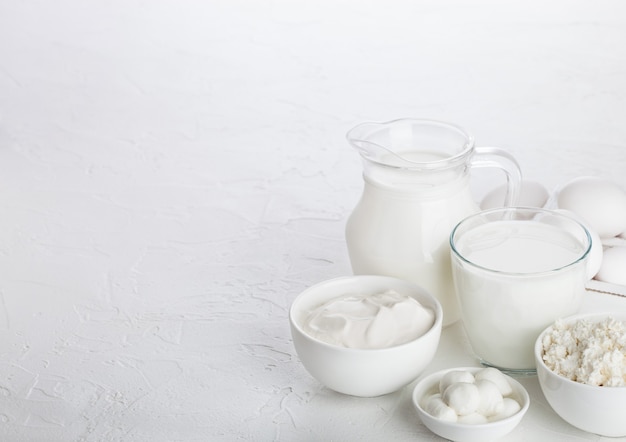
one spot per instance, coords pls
(454, 376)
(613, 268)
(532, 194)
(599, 202)
(596, 254)
(594, 261)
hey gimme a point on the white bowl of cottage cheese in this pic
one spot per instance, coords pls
(581, 366)
(365, 335)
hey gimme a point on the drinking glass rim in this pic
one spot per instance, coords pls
(584, 255)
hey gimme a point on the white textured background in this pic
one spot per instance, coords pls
(173, 173)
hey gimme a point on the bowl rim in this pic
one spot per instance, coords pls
(435, 328)
(538, 348)
(438, 374)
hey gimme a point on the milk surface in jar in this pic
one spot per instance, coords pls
(514, 278)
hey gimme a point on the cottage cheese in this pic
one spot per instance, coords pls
(587, 352)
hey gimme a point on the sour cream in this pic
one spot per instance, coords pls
(373, 321)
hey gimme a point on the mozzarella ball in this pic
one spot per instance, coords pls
(509, 408)
(613, 269)
(454, 376)
(497, 377)
(491, 400)
(462, 397)
(436, 407)
(599, 202)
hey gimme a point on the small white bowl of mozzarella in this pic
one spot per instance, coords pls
(470, 404)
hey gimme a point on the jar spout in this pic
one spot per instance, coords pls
(372, 142)
(389, 143)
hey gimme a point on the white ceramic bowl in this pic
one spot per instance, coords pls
(363, 372)
(599, 410)
(467, 432)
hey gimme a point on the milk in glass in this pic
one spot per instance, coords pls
(513, 279)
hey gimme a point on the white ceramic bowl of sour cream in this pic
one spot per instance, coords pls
(364, 372)
(592, 408)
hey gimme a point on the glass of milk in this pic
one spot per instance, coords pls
(515, 271)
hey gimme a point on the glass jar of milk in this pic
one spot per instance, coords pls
(517, 270)
(416, 188)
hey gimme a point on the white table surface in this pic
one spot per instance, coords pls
(174, 173)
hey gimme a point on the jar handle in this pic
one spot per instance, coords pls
(500, 158)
